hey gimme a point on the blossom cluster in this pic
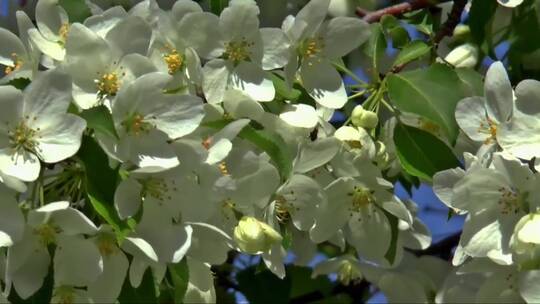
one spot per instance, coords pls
(190, 120)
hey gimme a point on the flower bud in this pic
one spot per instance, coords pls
(364, 118)
(463, 56)
(254, 236)
(461, 33)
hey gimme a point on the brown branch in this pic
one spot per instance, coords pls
(395, 10)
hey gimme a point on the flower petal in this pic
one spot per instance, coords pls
(323, 83)
(341, 35)
(252, 80)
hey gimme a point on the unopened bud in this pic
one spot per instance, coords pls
(463, 56)
(364, 118)
(254, 236)
(348, 272)
(461, 33)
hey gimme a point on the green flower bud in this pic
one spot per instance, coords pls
(363, 118)
(254, 236)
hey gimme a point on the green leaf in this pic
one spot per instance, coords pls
(412, 51)
(422, 154)
(302, 283)
(19, 83)
(180, 277)
(100, 181)
(100, 120)
(421, 20)
(263, 286)
(375, 48)
(283, 90)
(392, 27)
(432, 93)
(217, 6)
(77, 10)
(472, 81)
(145, 293)
(391, 253)
(266, 140)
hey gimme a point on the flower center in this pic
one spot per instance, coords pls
(64, 295)
(174, 61)
(283, 209)
(108, 84)
(135, 124)
(490, 129)
(156, 188)
(311, 47)
(23, 137)
(106, 244)
(510, 200)
(17, 64)
(361, 197)
(223, 168)
(237, 51)
(347, 273)
(227, 209)
(63, 32)
(47, 233)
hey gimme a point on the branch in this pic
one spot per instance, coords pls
(395, 10)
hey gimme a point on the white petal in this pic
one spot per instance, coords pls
(101, 24)
(252, 80)
(529, 231)
(201, 32)
(11, 44)
(81, 255)
(149, 150)
(200, 287)
(315, 154)
(499, 93)
(276, 48)
(24, 166)
(127, 198)
(341, 35)
(27, 266)
(521, 136)
(183, 7)
(12, 220)
(215, 79)
(324, 84)
(49, 48)
(333, 213)
(239, 21)
(510, 3)
(300, 115)
(12, 107)
(239, 105)
(107, 287)
(370, 226)
(136, 246)
(309, 18)
(274, 260)
(528, 286)
(527, 92)
(48, 95)
(209, 244)
(131, 35)
(61, 138)
(50, 17)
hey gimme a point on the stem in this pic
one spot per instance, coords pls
(348, 72)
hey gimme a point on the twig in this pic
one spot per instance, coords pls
(395, 10)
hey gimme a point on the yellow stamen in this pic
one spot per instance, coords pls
(174, 61)
(17, 64)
